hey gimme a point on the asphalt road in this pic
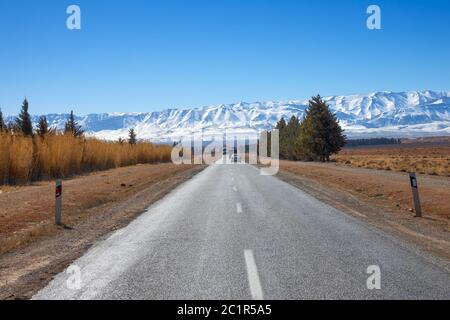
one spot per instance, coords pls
(230, 233)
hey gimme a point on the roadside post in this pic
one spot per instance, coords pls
(415, 191)
(58, 202)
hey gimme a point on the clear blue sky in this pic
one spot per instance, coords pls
(142, 55)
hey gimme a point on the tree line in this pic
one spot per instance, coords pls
(314, 138)
(23, 125)
(373, 142)
(31, 153)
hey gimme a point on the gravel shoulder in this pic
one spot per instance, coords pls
(381, 198)
(33, 250)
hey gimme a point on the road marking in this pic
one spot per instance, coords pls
(234, 189)
(253, 278)
(239, 207)
(232, 178)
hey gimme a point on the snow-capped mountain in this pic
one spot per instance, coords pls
(404, 114)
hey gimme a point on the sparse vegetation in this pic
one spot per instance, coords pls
(432, 160)
(389, 191)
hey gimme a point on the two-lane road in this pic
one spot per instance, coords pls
(230, 233)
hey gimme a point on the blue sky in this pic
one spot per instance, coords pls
(142, 55)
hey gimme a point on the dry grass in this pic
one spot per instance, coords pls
(25, 159)
(432, 160)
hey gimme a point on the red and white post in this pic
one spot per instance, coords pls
(58, 202)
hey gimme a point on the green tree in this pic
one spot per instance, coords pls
(24, 120)
(320, 134)
(292, 132)
(2, 122)
(288, 135)
(72, 127)
(42, 126)
(132, 137)
(284, 148)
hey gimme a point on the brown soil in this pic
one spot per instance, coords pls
(424, 158)
(382, 198)
(33, 249)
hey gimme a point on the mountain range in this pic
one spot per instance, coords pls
(387, 114)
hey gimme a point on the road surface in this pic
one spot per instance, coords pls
(230, 233)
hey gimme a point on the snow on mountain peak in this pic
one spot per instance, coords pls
(401, 114)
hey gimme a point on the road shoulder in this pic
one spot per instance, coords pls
(28, 268)
(323, 182)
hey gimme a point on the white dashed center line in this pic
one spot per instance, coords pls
(234, 189)
(239, 208)
(253, 278)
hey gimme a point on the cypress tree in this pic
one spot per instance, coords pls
(132, 137)
(72, 127)
(2, 122)
(24, 120)
(288, 135)
(42, 126)
(284, 148)
(292, 132)
(320, 133)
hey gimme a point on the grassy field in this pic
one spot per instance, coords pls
(424, 158)
(26, 159)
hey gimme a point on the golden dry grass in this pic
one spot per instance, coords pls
(25, 159)
(432, 160)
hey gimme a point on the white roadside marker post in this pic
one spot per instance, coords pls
(415, 191)
(58, 202)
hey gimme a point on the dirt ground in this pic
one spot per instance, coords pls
(432, 158)
(33, 250)
(381, 198)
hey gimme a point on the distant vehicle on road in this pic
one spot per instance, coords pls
(235, 158)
